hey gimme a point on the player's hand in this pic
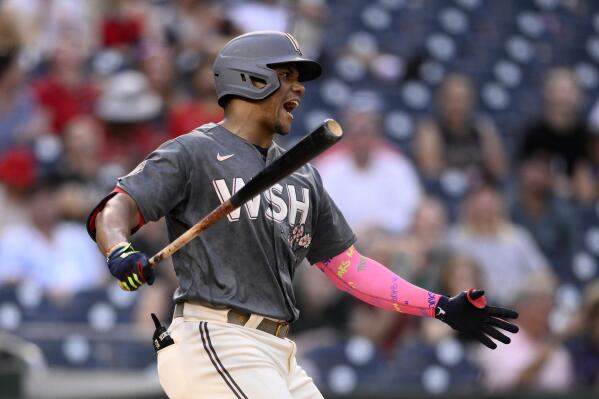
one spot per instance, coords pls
(468, 312)
(130, 267)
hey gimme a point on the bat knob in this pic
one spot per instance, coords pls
(333, 127)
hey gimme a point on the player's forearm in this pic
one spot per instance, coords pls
(115, 221)
(373, 283)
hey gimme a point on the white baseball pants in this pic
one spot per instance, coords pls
(218, 360)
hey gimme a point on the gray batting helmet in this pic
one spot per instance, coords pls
(251, 56)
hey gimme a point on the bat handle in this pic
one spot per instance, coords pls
(154, 260)
(213, 217)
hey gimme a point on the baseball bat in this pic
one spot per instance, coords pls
(313, 144)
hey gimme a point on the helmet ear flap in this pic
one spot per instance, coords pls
(258, 82)
(251, 82)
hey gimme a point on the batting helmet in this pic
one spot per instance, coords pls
(251, 56)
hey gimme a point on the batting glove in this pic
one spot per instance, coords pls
(130, 267)
(468, 313)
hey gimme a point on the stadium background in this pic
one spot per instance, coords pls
(447, 105)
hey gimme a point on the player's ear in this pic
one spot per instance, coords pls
(257, 82)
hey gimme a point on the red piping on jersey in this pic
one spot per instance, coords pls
(91, 220)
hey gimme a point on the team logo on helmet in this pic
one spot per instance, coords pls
(294, 43)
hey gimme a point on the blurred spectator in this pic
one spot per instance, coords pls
(192, 25)
(201, 107)
(44, 47)
(17, 175)
(585, 186)
(460, 273)
(506, 252)
(534, 360)
(373, 185)
(256, 15)
(309, 25)
(20, 118)
(44, 24)
(73, 201)
(66, 91)
(56, 256)
(83, 144)
(122, 24)
(560, 132)
(593, 150)
(128, 107)
(551, 222)
(419, 252)
(324, 308)
(457, 139)
(584, 347)
(158, 65)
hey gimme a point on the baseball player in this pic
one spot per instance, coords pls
(235, 299)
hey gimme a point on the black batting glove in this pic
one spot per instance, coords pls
(468, 313)
(161, 338)
(130, 267)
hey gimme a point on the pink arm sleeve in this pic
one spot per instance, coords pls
(373, 283)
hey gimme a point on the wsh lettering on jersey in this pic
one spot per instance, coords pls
(283, 202)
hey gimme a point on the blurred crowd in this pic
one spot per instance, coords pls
(88, 88)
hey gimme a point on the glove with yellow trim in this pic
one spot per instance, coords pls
(129, 266)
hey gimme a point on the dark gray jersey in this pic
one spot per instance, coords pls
(246, 260)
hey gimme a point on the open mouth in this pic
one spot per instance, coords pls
(290, 106)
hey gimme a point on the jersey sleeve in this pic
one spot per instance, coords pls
(160, 182)
(332, 234)
(91, 219)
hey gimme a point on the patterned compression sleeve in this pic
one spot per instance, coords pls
(373, 283)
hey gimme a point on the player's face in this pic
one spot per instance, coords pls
(280, 105)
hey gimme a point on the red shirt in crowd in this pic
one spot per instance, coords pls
(63, 103)
(121, 31)
(187, 116)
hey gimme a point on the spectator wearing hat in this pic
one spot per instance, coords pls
(129, 108)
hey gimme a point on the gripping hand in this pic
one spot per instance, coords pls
(130, 267)
(468, 313)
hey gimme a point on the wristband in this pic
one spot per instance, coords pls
(114, 246)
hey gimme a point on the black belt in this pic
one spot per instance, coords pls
(277, 328)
